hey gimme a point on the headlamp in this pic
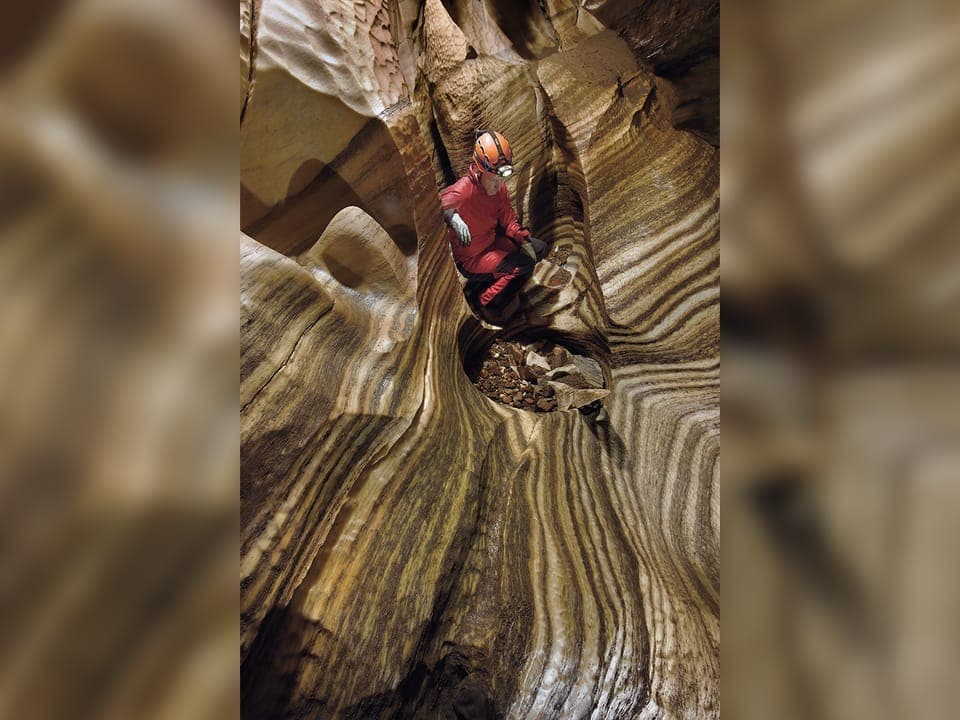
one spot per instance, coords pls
(505, 171)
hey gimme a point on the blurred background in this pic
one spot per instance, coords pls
(840, 276)
(840, 258)
(118, 346)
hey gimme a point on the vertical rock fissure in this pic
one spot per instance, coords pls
(443, 157)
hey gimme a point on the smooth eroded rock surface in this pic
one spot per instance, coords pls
(411, 548)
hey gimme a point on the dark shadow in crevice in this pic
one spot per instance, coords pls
(696, 81)
(453, 10)
(516, 20)
(543, 198)
(268, 674)
(443, 157)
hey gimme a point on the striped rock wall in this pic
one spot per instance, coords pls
(410, 548)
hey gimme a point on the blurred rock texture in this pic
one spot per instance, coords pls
(410, 548)
(119, 445)
(841, 299)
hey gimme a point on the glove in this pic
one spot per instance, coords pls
(461, 229)
(528, 248)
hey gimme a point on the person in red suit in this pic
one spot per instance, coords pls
(490, 248)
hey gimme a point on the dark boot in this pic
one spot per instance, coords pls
(540, 247)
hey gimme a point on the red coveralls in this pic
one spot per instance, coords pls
(495, 238)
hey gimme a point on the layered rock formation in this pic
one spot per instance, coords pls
(411, 548)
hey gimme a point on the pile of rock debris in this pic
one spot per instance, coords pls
(540, 376)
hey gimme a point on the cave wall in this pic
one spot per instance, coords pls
(409, 547)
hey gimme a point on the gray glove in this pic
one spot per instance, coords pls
(528, 248)
(461, 229)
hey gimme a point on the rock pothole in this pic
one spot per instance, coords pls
(538, 375)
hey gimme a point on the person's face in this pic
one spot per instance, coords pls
(490, 181)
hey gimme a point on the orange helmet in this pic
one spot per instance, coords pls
(492, 153)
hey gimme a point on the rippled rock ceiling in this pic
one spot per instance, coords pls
(410, 548)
